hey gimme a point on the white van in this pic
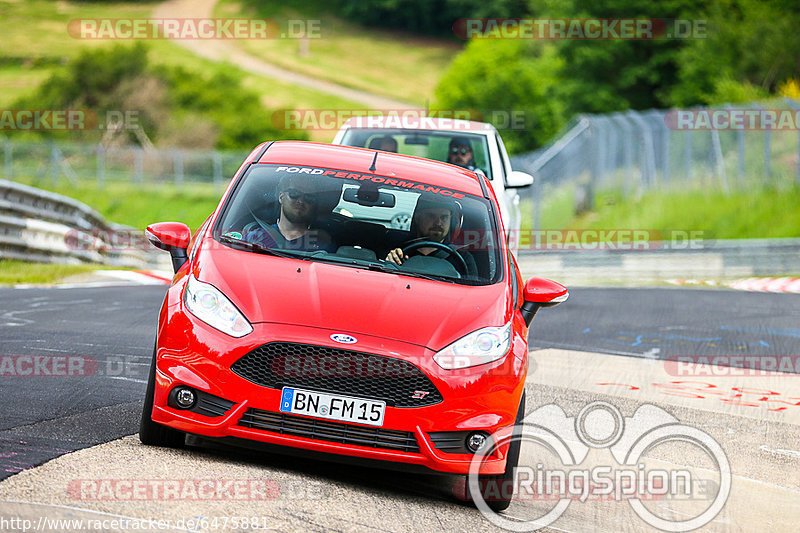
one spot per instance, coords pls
(434, 138)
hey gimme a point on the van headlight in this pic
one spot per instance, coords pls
(477, 348)
(208, 304)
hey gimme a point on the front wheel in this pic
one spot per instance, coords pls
(153, 433)
(498, 490)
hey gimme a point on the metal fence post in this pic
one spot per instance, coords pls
(719, 165)
(740, 149)
(138, 157)
(101, 165)
(767, 147)
(8, 155)
(793, 105)
(537, 202)
(53, 163)
(687, 154)
(217, 159)
(665, 141)
(178, 167)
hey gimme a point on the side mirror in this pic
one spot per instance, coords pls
(172, 237)
(540, 292)
(516, 178)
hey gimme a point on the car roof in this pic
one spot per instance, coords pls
(387, 164)
(420, 123)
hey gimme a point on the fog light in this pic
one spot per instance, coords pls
(476, 440)
(185, 398)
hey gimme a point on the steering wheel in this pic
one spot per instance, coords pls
(416, 244)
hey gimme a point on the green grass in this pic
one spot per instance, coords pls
(768, 212)
(18, 80)
(140, 205)
(398, 65)
(35, 43)
(12, 272)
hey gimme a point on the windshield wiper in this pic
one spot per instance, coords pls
(382, 268)
(255, 247)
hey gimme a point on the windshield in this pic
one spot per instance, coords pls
(447, 146)
(391, 225)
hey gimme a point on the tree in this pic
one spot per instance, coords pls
(502, 78)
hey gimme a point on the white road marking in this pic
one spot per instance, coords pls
(779, 451)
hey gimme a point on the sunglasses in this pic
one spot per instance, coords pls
(296, 194)
(463, 150)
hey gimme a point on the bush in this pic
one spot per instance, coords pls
(167, 100)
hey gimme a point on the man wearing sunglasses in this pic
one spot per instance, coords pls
(460, 153)
(298, 208)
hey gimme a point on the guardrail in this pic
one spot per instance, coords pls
(42, 226)
(716, 260)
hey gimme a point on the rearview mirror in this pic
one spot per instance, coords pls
(369, 197)
(541, 292)
(516, 178)
(420, 140)
(172, 237)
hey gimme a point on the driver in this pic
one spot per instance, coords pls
(433, 220)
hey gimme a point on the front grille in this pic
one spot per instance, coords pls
(332, 370)
(341, 432)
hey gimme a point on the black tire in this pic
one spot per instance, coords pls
(503, 484)
(152, 433)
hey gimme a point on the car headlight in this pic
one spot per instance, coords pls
(212, 307)
(477, 348)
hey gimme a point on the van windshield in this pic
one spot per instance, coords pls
(446, 146)
(381, 223)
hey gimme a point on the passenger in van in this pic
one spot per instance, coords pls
(435, 220)
(298, 208)
(385, 143)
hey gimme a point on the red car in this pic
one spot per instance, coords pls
(306, 313)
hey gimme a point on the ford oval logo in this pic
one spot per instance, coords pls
(344, 339)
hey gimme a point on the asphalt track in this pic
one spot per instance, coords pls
(603, 344)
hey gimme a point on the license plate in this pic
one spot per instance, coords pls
(332, 406)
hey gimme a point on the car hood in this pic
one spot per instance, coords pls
(350, 300)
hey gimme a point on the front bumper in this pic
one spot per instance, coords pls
(193, 354)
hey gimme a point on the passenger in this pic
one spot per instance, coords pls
(298, 209)
(434, 221)
(460, 153)
(386, 143)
